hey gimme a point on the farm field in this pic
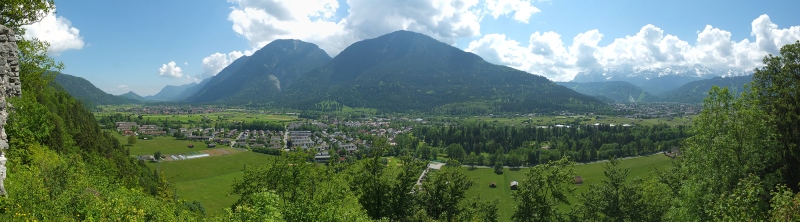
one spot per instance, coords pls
(592, 173)
(208, 180)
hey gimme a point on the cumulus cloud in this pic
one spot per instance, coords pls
(171, 70)
(547, 55)
(57, 31)
(261, 22)
(214, 63)
(522, 9)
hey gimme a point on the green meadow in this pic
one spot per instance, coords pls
(209, 179)
(591, 173)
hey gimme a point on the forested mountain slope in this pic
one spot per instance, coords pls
(403, 71)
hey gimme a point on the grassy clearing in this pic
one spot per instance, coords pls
(200, 168)
(212, 192)
(209, 180)
(591, 173)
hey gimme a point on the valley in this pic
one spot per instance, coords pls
(432, 111)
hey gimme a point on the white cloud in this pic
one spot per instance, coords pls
(264, 21)
(522, 9)
(170, 70)
(214, 63)
(545, 53)
(122, 87)
(57, 31)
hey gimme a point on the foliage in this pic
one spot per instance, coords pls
(132, 139)
(261, 206)
(523, 143)
(442, 192)
(16, 13)
(545, 187)
(386, 192)
(784, 206)
(732, 139)
(61, 165)
(307, 191)
(776, 86)
(616, 199)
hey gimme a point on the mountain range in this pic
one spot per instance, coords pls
(404, 71)
(617, 91)
(408, 71)
(656, 80)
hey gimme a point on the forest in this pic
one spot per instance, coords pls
(534, 144)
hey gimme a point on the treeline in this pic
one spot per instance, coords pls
(582, 143)
(252, 125)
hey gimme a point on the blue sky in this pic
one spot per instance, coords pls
(140, 45)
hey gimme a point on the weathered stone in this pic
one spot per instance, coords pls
(10, 86)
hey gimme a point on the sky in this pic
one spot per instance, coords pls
(141, 46)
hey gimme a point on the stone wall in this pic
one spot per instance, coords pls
(9, 87)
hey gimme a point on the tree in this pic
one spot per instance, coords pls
(456, 151)
(545, 187)
(498, 168)
(132, 140)
(472, 160)
(732, 140)
(386, 192)
(614, 199)
(16, 13)
(442, 191)
(157, 156)
(776, 87)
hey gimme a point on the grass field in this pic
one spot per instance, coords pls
(165, 144)
(592, 173)
(208, 180)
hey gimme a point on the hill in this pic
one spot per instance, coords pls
(696, 91)
(86, 92)
(258, 78)
(132, 95)
(618, 91)
(404, 71)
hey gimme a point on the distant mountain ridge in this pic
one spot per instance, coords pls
(696, 91)
(259, 78)
(656, 80)
(86, 92)
(403, 71)
(618, 91)
(179, 93)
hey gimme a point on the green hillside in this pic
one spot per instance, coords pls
(86, 92)
(695, 92)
